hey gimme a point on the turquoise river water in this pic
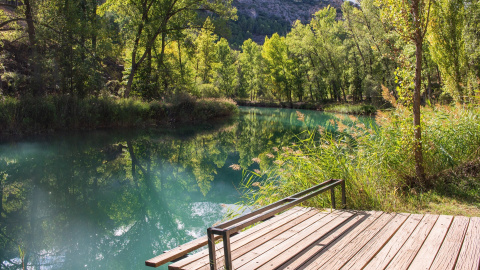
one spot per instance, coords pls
(111, 199)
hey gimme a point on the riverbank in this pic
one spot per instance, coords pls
(346, 108)
(378, 165)
(29, 116)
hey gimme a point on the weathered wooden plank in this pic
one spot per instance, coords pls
(469, 257)
(283, 218)
(253, 241)
(431, 246)
(342, 257)
(315, 248)
(448, 253)
(409, 250)
(178, 252)
(386, 254)
(375, 245)
(324, 255)
(307, 239)
(288, 249)
(255, 252)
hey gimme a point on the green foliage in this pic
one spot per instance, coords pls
(275, 53)
(472, 47)
(448, 45)
(205, 54)
(376, 161)
(225, 69)
(252, 81)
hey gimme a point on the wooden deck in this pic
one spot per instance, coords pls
(302, 238)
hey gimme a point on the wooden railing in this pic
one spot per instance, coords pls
(228, 228)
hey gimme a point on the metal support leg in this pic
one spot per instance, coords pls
(211, 249)
(332, 192)
(226, 251)
(344, 197)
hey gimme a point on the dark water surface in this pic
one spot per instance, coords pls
(112, 199)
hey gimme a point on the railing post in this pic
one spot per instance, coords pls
(344, 197)
(332, 193)
(211, 249)
(226, 250)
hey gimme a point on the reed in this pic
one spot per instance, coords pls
(377, 162)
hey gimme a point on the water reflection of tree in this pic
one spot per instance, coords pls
(110, 200)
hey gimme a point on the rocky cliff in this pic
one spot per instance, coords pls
(288, 10)
(260, 18)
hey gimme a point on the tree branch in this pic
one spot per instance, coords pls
(428, 18)
(11, 20)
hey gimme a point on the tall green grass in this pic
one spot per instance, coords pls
(39, 115)
(377, 161)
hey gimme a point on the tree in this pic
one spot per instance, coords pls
(251, 69)
(225, 70)
(448, 46)
(147, 20)
(410, 19)
(275, 53)
(28, 18)
(299, 56)
(205, 56)
(72, 56)
(328, 36)
(472, 46)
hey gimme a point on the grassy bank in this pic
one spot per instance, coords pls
(347, 108)
(356, 109)
(53, 113)
(378, 165)
(278, 104)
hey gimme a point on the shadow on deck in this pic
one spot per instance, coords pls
(306, 238)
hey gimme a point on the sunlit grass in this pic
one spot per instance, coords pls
(377, 163)
(358, 109)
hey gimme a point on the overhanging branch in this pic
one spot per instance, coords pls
(11, 20)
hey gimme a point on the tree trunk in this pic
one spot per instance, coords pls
(128, 87)
(180, 62)
(30, 25)
(135, 64)
(37, 79)
(94, 32)
(429, 84)
(419, 169)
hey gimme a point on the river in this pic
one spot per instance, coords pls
(110, 199)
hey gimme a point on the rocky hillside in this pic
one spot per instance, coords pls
(260, 18)
(287, 10)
